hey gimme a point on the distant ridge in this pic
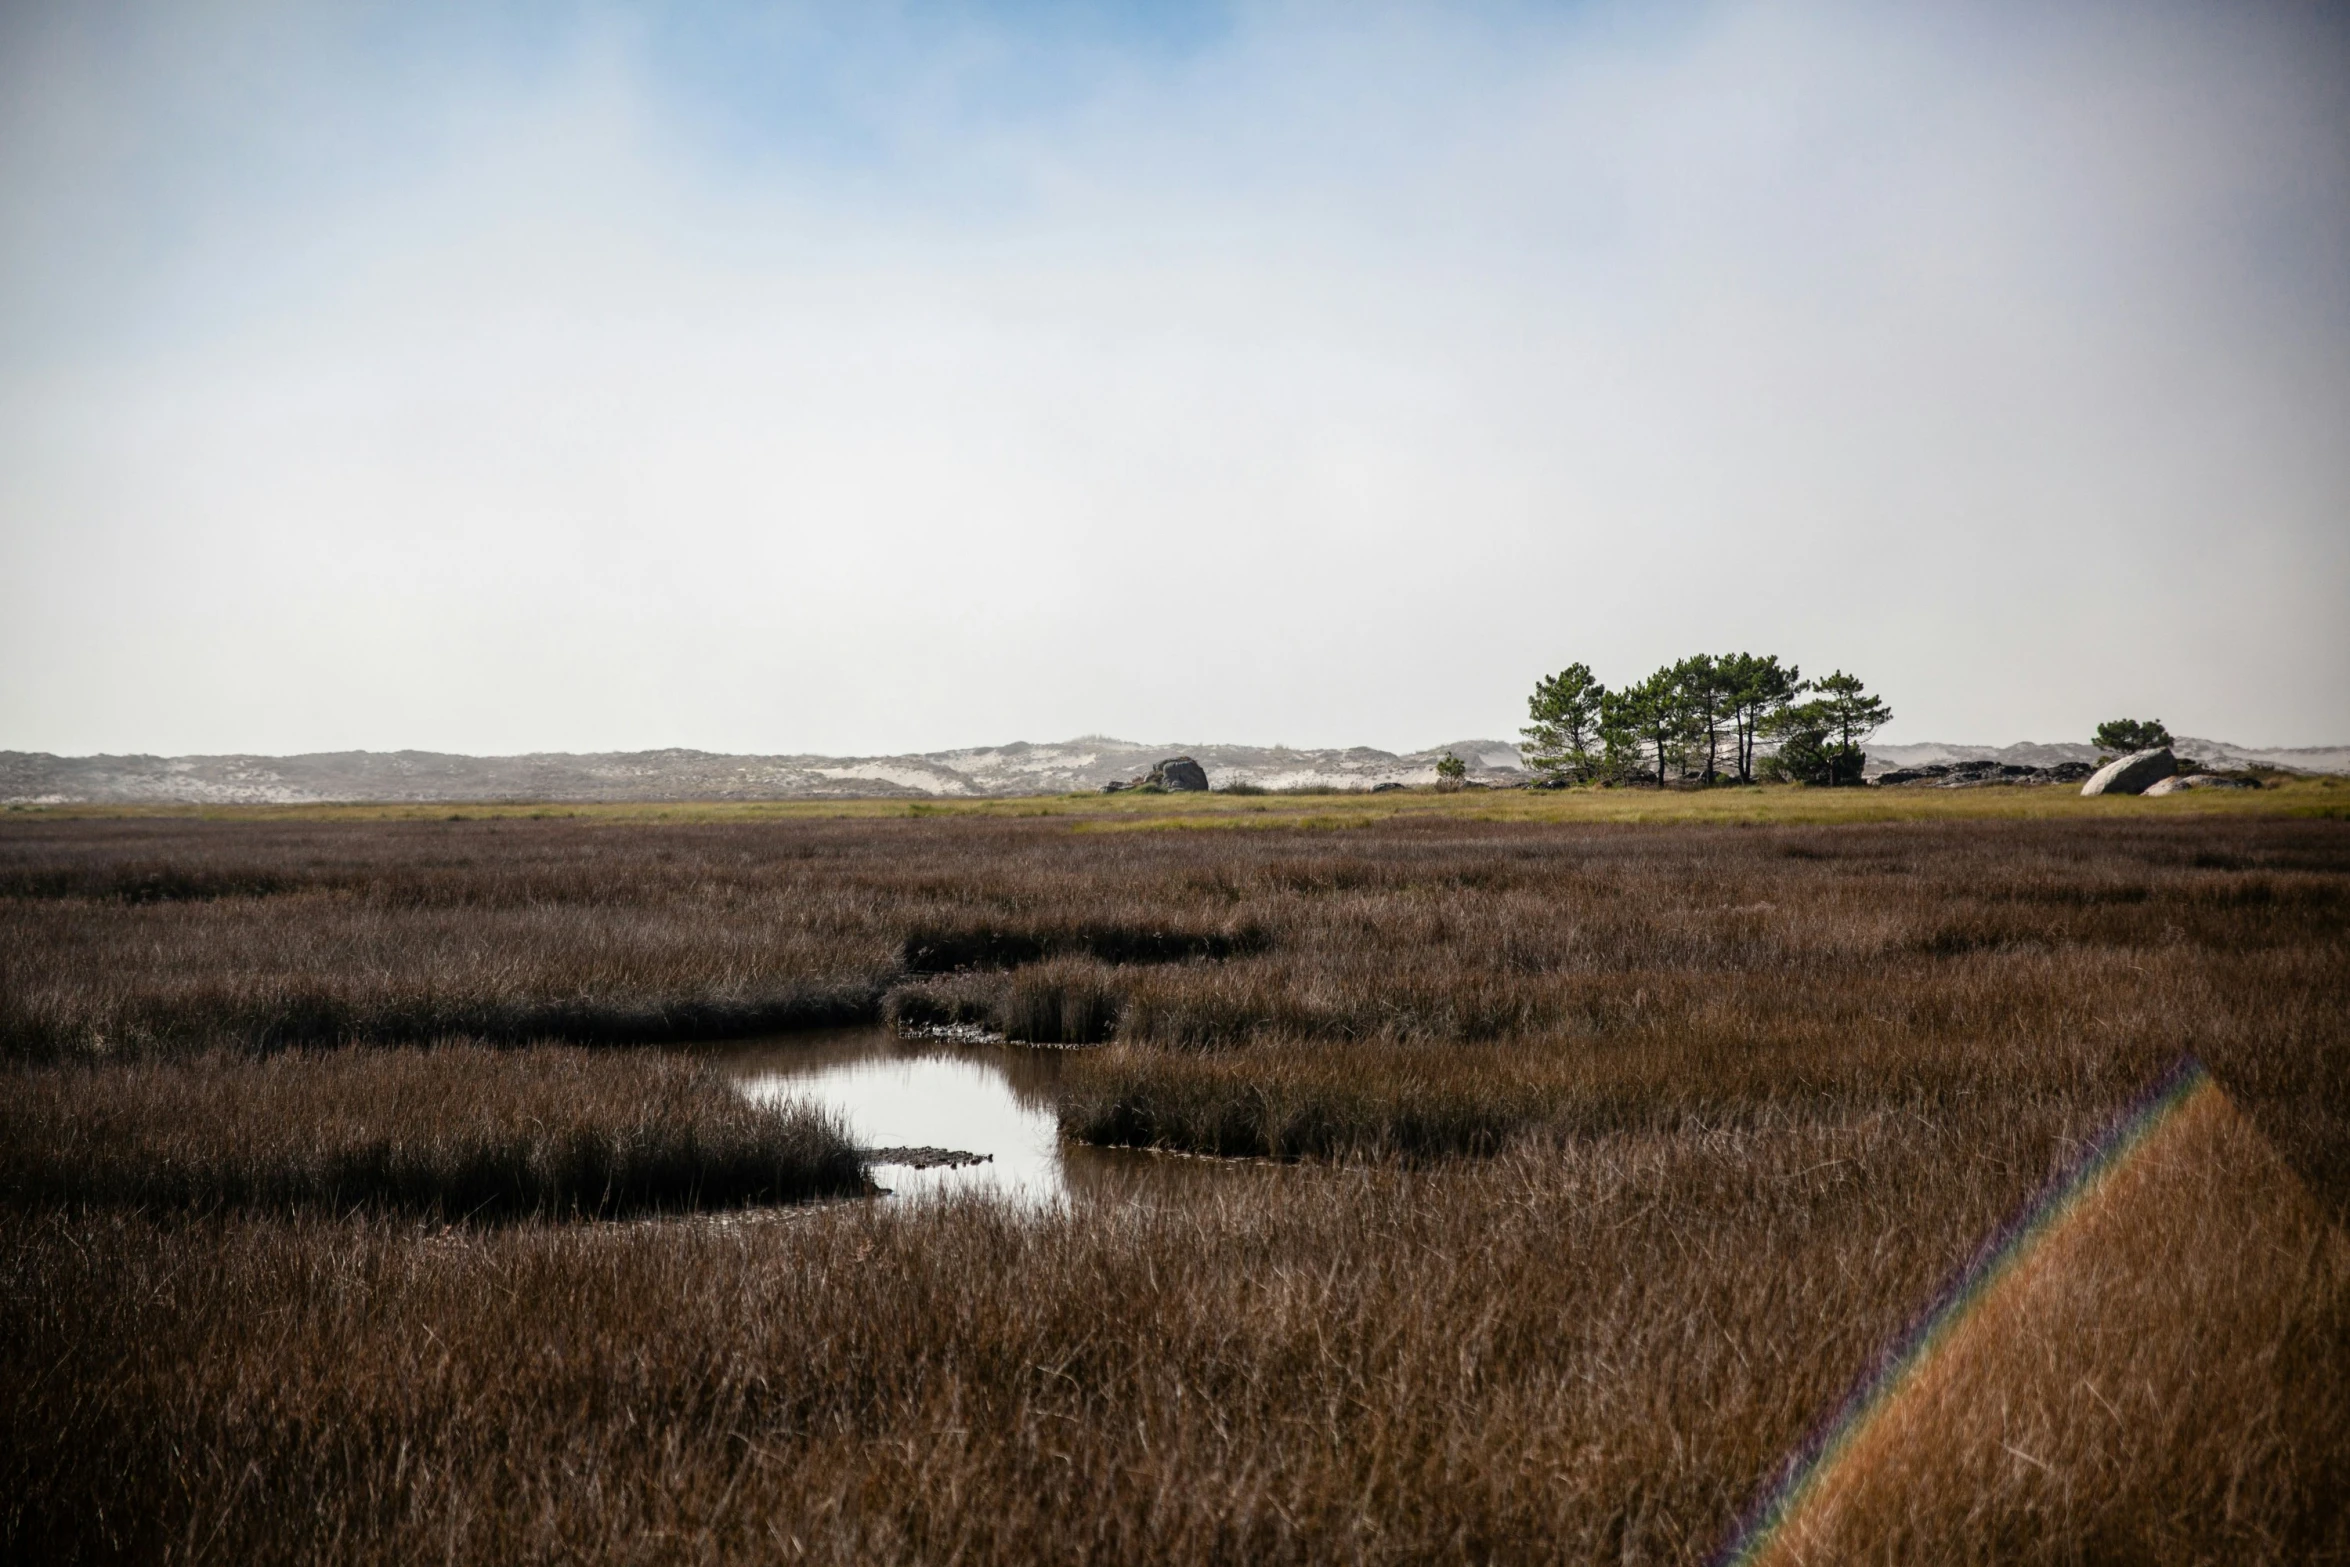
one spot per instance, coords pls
(331, 777)
(37, 778)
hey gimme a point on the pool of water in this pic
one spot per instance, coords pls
(995, 1100)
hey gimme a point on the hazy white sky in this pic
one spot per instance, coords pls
(864, 379)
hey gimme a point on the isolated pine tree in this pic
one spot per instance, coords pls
(2121, 736)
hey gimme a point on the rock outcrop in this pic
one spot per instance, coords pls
(1180, 773)
(2179, 783)
(2134, 773)
(1175, 775)
(927, 1157)
(1976, 774)
(2219, 755)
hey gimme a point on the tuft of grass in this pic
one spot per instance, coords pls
(458, 1131)
(1057, 1001)
(1070, 1002)
(951, 1001)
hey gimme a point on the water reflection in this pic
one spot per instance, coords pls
(986, 1099)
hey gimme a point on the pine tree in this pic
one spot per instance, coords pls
(1704, 689)
(1760, 688)
(1564, 736)
(2124, 735)
(1853, 714)
(1821, 740)
(1648, 728)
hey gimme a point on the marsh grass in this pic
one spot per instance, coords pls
(456, 1132)
(1522, 973)
(1592, 1350)
(1070, 1002)
(2061, 1403)
(1958, 1008)
(1625, 1149)
(1290, 1100)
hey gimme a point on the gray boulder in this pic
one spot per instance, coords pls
(2132, 774)
(2178, 783)
(1180, 773)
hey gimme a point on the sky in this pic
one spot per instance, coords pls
(878, 378)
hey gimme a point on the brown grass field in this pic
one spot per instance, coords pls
(1634, 1128)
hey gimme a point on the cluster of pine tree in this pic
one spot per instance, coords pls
(1707, 719)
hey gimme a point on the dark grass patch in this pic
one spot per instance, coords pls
(1286, 1101)
(457, 1131)
(947, 951)
(140, 883)
(263, 1024)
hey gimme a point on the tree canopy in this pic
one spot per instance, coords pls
(2124, 735)
(1759, 687)
(1564, 736)
(1705, 719)
(1820, 741)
